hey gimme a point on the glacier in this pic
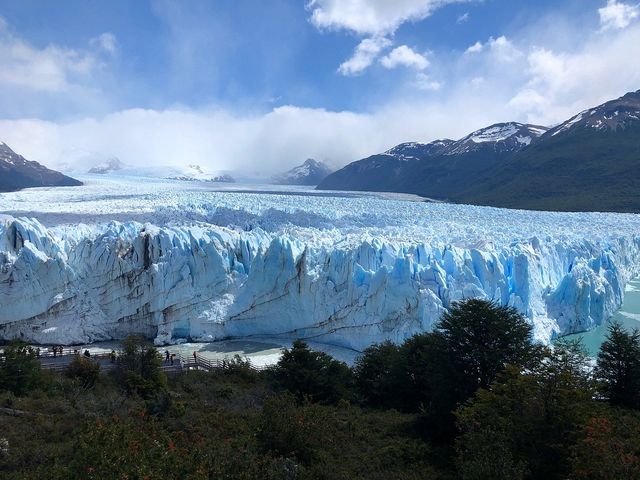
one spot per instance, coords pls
(175, 261)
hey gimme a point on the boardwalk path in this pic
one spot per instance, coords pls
(180, 364)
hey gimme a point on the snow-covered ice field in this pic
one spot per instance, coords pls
(208, 261)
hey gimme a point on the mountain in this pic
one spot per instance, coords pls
(438, 168)
(311, 172)
(112, 164)
(195, 173)
(16, 172)
(590, 162)
(191, 172)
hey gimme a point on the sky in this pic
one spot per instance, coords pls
(258, 86)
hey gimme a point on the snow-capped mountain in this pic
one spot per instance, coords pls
(16, 172)
(501, 137)
(112, 164)
(416, 150)
(516, 165)
(442, 165)
(617, 114)
(311, 172)
(196, 173)
(191, 172)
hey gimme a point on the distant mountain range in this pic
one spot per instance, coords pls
(16, 172)
(591, 162)
(311, 172)
(191, 172)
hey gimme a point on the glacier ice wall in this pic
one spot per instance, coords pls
(207, 282)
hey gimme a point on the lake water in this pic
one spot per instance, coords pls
(260, 351)
(628, 315)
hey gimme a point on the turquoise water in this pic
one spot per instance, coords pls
(628, 315)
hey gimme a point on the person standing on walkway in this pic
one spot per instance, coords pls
(166, 355)
(195, 357)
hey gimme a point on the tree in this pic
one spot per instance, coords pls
(482, 337)
(20, 369)
(472, 343)
(84, 370)
(618, 368)
(139, 368)
(525, 424)
(307, 373)
(376, 375)
(608, 448)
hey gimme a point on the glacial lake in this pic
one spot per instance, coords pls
(628, 316)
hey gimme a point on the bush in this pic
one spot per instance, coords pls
(85, 370)
(608, 448)
(342, 442)
(20, 370)
(139, 368)
(241, 368)
(315, 375)
(525, 424)
(376, 376)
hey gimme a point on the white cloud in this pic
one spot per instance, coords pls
(106, 41)
(406, 57)
(500, 48)
(365, 54)
(426, 83)
(525, 77)
(371, 17)
(616, 15)
(475, 48)
(250, 144)
(558, 84)
(49, 69)
(464, 18)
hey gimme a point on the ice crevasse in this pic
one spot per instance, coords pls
(207, 282)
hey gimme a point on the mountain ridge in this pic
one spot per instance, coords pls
(516, 165)
(311, 172)
(16, 173)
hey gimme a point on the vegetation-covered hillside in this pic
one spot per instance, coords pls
(475, 399)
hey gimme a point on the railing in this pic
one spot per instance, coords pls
(198, 362)
(181, 363)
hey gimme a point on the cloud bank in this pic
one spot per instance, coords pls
(500, 78)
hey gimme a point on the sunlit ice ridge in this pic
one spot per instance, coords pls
(176, 260)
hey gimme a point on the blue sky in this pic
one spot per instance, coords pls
(225, 81)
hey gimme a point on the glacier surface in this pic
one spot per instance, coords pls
(177, 261)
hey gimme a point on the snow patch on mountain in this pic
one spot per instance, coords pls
(311, 172)
(494, 134)
(612, 115)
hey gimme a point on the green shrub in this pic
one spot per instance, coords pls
(20, 370)
(525, 424)
(139, 368)
(314, 375)
(83, 369)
